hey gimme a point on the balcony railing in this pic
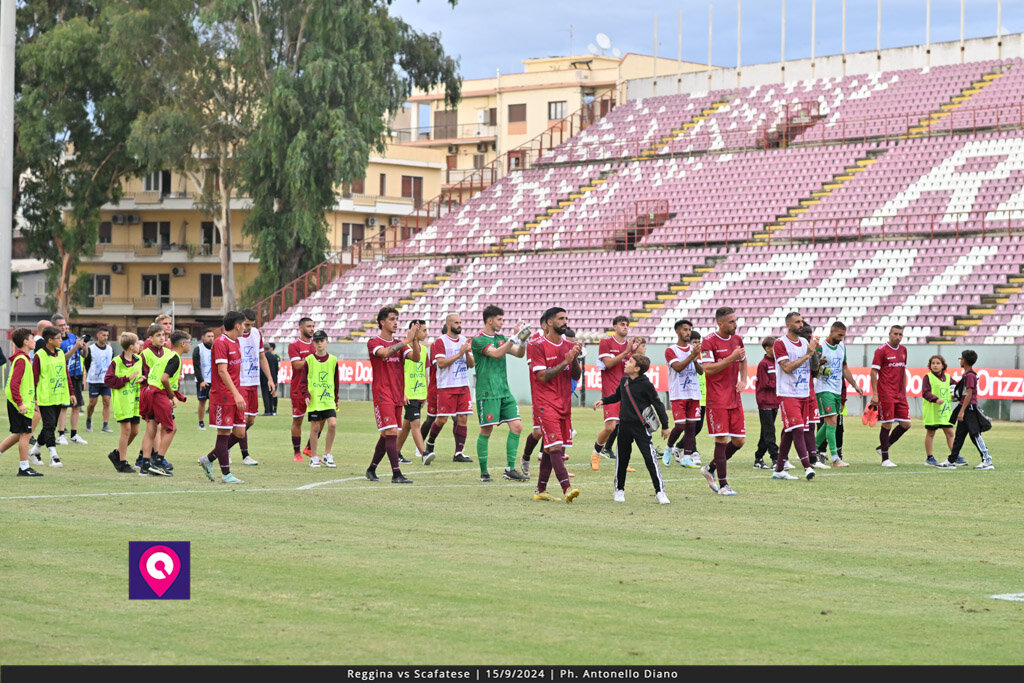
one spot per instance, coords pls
(190, 250)
(454, 131)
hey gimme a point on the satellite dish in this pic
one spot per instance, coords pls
(592, 48)
(603, 41)
(616, 52)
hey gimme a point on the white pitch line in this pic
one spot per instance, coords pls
(311, 486)
(1013, 597)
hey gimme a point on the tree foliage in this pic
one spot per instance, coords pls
(329, 72)
(72, 122)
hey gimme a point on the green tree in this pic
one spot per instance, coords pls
(72, 123)
(328, 73)
(198, 110)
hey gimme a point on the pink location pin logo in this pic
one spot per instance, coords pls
(159, 566)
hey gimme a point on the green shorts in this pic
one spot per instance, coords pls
(829, 404)
(496, 410)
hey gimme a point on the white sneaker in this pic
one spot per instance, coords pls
(662, 498)
(314, 461)
(809, 473)
(62, 440)
(249, 460)
(329, 460)
(619, 496)
(696, 458)
(35, 460)
(888, 463)
(77, 438)
(35, 451)
(55, 461)
(782, 475)
(787, 466)
(820, 465)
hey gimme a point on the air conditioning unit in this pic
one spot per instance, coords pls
(178, 271)
(117, 268)
(117, 219)
(40, 301)
(133, 219)
(452, 149)
(371, 221)
(395, 221)
(481, 147)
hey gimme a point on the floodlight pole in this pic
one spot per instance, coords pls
(7, 39)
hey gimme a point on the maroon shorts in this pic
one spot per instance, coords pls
(431, 402)
(452, 402)
(793, 412)
(154, 405)
(611, 412)
(726, 422)
(893, 411)
(300, 400)
(388, 415)
(813, 414)
(555, 429)
(224, 414)
(252, 399)
(686, 410)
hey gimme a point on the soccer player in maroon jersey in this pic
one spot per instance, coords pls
(554, 363)
(387, 359)
(889, 392)
(227, 405)
(451, 356)
(299, 393)
(725, 367)
(612, 352)
(793, 356)
(534, 437)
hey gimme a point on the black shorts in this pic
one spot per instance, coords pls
(97, 390)
(412, 409)
(76, 389)
(933, 428)
(19, 423)
(321, 415)
(202, 394)
(131, 420)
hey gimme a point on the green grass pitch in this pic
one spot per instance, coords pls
(863, 565)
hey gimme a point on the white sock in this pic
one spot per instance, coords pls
(23, 464)
(53, 451)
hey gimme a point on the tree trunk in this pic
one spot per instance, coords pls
(223, 222)
(62, 293)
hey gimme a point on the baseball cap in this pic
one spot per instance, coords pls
(319, 334)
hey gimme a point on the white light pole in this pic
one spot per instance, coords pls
(7, 36)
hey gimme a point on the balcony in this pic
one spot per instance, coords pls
(143, 306)
(114, 252)
(445, 134)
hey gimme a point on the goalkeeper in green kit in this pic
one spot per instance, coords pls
(495, 404)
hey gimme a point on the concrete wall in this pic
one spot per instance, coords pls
(914, 57)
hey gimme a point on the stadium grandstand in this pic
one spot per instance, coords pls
(894, 196)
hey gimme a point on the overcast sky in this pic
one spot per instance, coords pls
(487, 35)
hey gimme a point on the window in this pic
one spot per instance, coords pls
(105, 233)
(352, 233)
(211, 237)
(517, 113)
(492, 116)
(478, 161)
(359, 186)
(152, 182)
(156, 234)
(158, 286)
(412, 186)
(556, 110)
(209, 287)
(383, 185)
(101, 285)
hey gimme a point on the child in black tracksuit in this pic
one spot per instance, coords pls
(634, 394)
